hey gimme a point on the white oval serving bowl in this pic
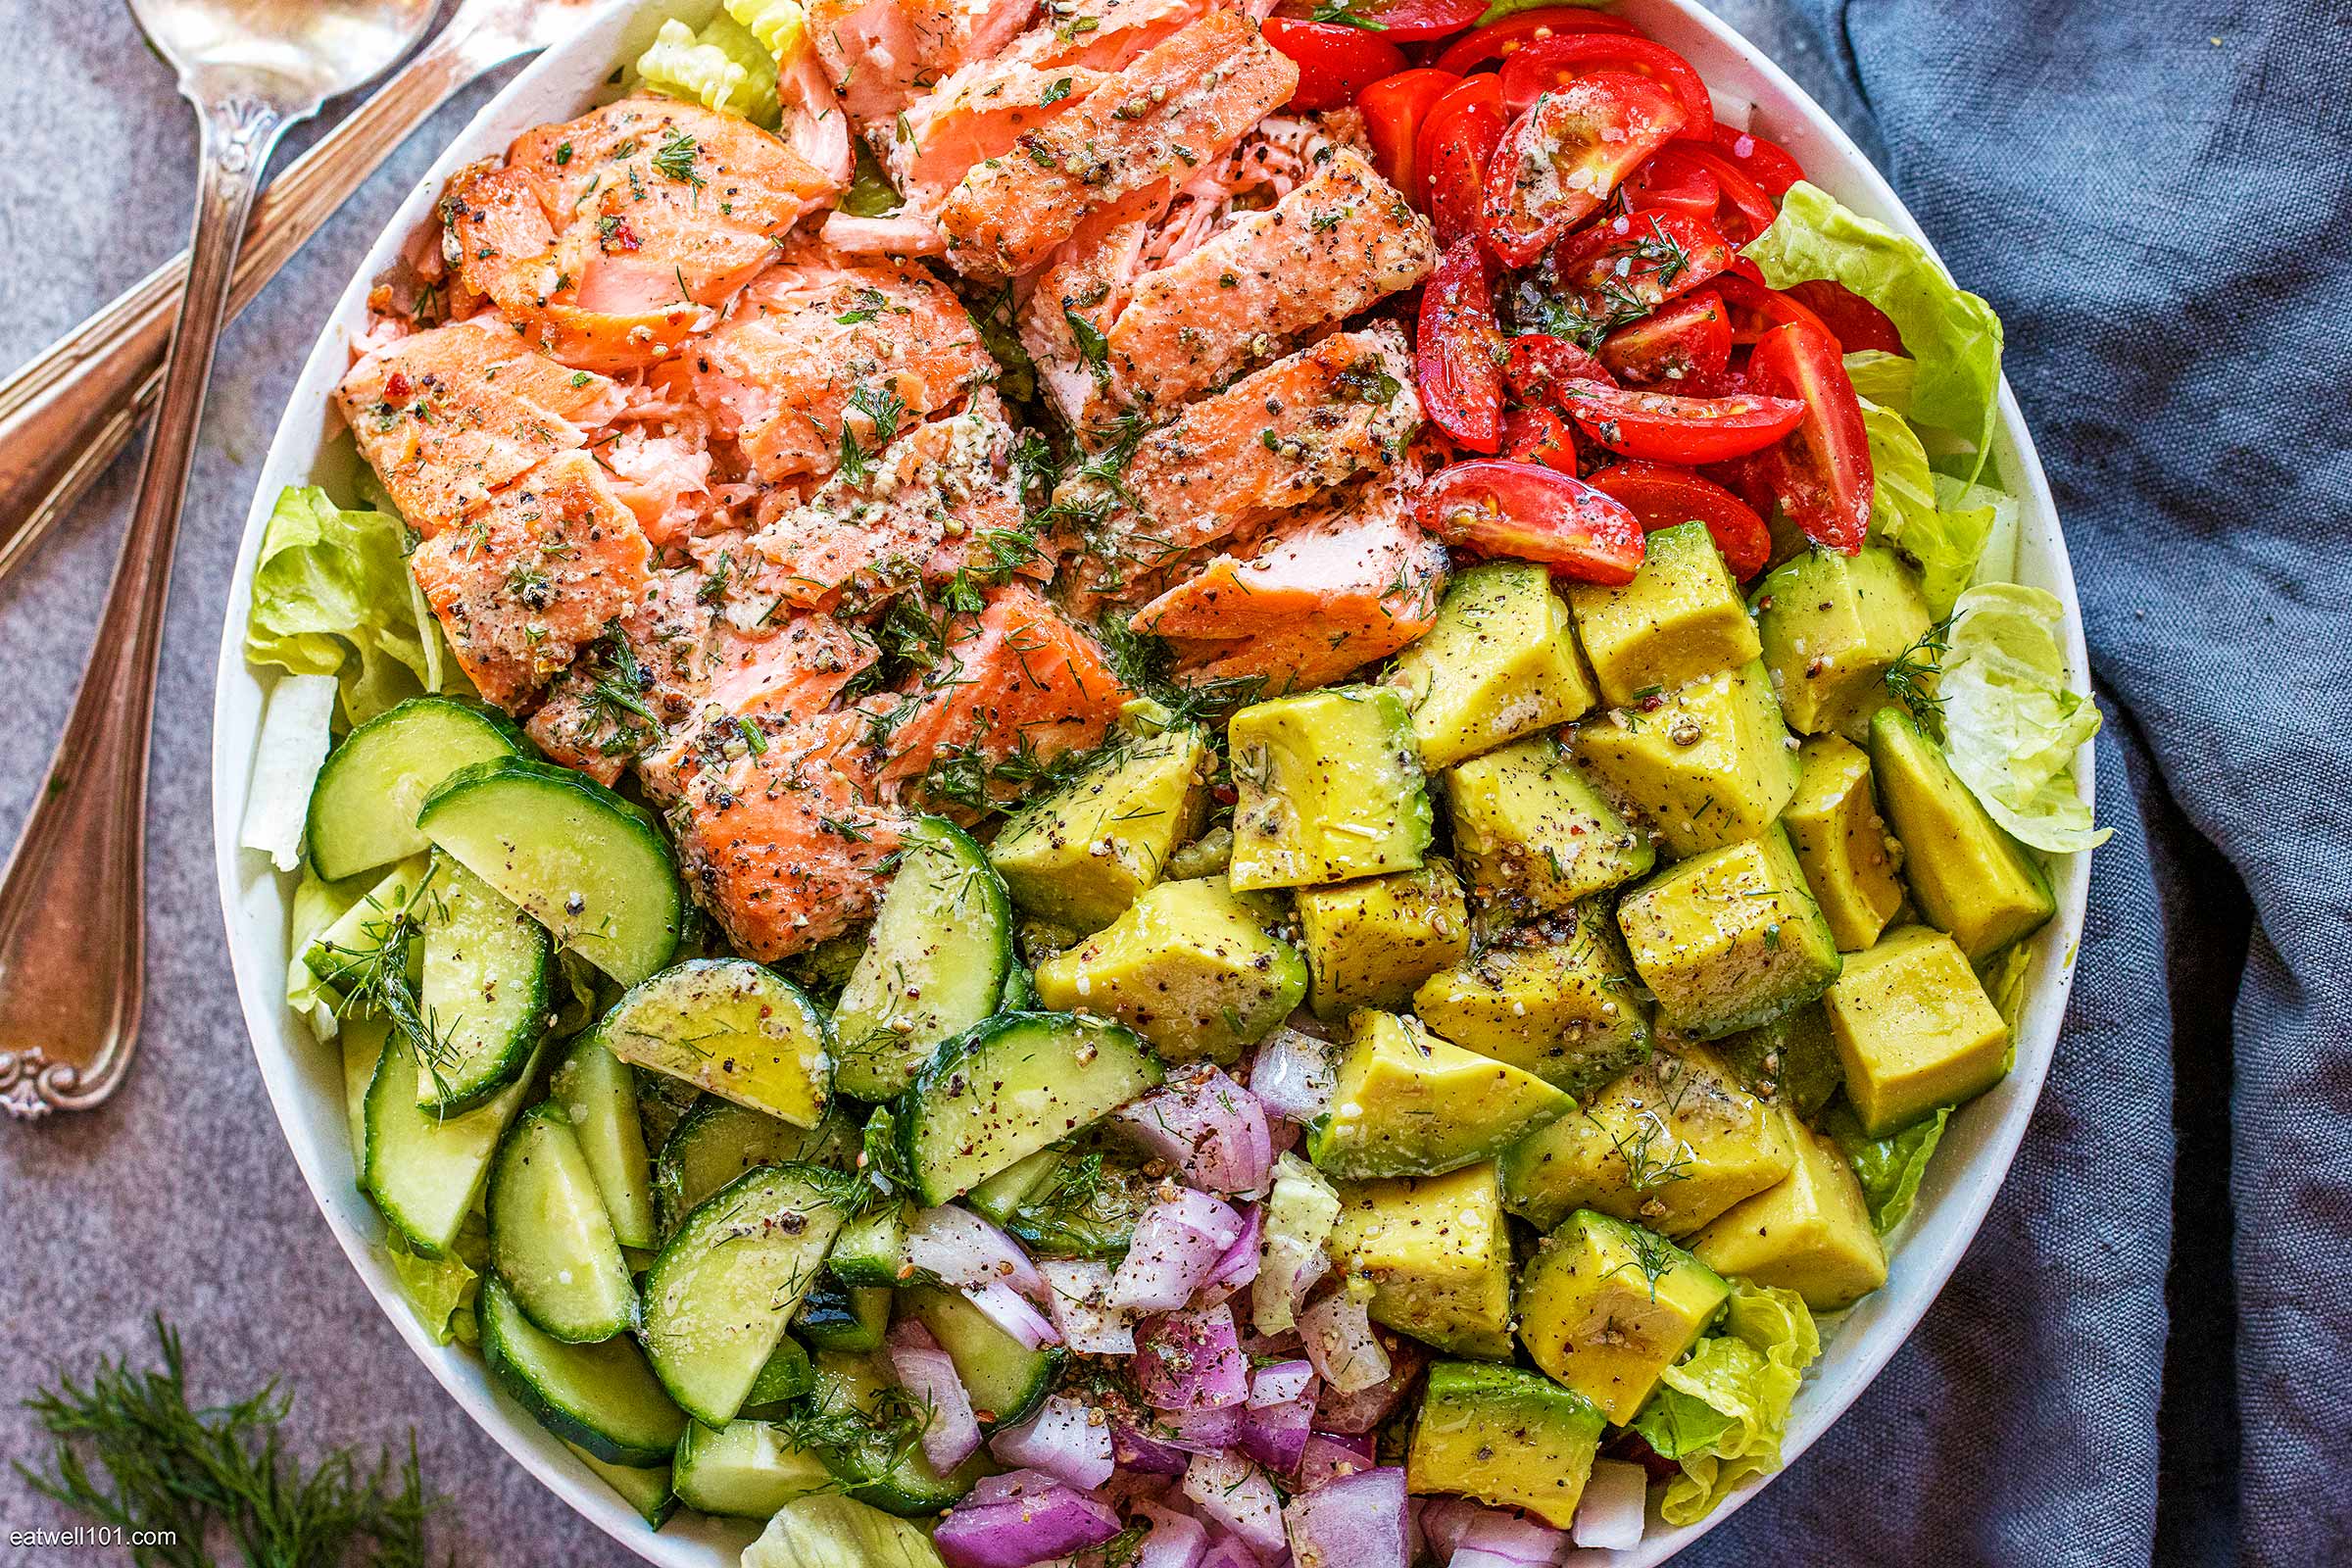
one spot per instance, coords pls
(305, 1079)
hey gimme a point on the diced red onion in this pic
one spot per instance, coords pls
(1064, 1439)
(1498, 1539)
(1230, 1552)
(1614, 1510)
(1150, 1452)
(1239, 1267)
(950, 1432)
(1357, 1521)
(1173, 1541)
(1234, 1494)
(1175, 1246)
(1281, 1382)
(1077, 1293)
(961, 1248)
(1445, 1521)
(1017, 1531)
(1293, 1076)
(1275, 1435)
(1191, 1361)
(1326, 1458)
(1367, 1408)
(1010, 1311)
(1340, 1342)
(1209, 1128)
(1012, 1484)
(1210, 1431)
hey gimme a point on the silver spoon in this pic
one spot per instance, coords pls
(72, 943)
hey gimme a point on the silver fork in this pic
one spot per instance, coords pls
(66, 416)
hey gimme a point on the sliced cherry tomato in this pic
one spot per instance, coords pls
(1458, 141)
(1539, 435)
(1394, 108)
(1546, 65)
(1754, 208)
(1665, 428)
(1766, 163)
(1685, 346)
(1560, 161)
(1507, 36)
(1851, 319)
(1538, 365)
(1679, 187)
(1401, 21)
(1335, 63)
(1458, 358)
(1820, 474)
(1661, 495)
(1525, 513)
(1635, 262)
(1757, 309)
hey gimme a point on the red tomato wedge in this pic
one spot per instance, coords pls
(1335, 63)
(1393, 109)
(1820, 474)
(1746, 210)
(1506, 37)
(1525, 513)
(1560, 160)
(1458, 350)
(1539, 435)
(1677, 186)
(1851, 319)
(1546, 65)
(1661, 495)
(1538, 365)
(1686, 345)
(1458, 141)
(1766, 163)
(1403, 21)
(1665, 428)
(1637, 260)
(1757, 309)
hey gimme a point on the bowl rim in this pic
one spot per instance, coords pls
(1927, 1247)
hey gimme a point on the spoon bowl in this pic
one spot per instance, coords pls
(300, 52)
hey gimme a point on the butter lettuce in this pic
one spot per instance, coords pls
(331, 596)
(828, 1531)
(725, 67)
(1883, 378)
(1722, 1411)
(441, 1290)
(1943, 526)
(2011, 726)
(1890, 1168)
(1954, 336)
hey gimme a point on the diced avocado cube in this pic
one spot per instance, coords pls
(1437, 1254)
(1190, 967)
(1505, 1437)
(1831, 626)
(1711, 765)
(1671, 1145)
(1792, 1060)
(1558, 999)
(1810, 1233)
(1680, 617)
(1914, 1029)
(1330, 789)
(1842, 842)
(1533, 834)
(1971, 878)
(1606, 1306)
(1501, 663)
(1080, 856)
(1368, 943)
(1407, 1103)
(1730, 938)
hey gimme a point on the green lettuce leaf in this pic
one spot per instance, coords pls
(1942, 525)
(316, 905)
(2011, 726)
(441, 1290)
(1883, 378)
(1903, 486)
(1721, 1412)
(1997, 562)
(1890, 1168)
(331, 596)
(828, 1530)
(724, 68)
(1954, 336)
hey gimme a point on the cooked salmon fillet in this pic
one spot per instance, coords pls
(882, 53)
(447, 415)
(1172, 109)
(822, 342)
(534, 576)
(980, 113)
(612, 238)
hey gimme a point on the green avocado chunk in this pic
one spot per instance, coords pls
(1557, 998)
(1914, 1029)
(1505, 1437)
(1831, 626)
(1190, 967)
(1083, 853)
(1680, 617)
(1811, 1233)
(1792, 1060)
(1368, 943)
(1533, 834)
(1970, 877)
(1606, 1306)
(1501, 663)
(1728, 939)
(1437, 1252)
(1407, 1103)
(1843, 843)
(1710, 765)
(1330, 789)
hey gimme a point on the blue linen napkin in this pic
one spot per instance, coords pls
(2154, 198)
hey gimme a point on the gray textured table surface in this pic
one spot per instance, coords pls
(179, 1197)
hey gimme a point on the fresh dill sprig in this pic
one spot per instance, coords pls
(374, 976)
(1911, 678)
(674, 160)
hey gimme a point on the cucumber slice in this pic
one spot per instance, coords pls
(1009, 1189)
(935, 962)
(843, 1317)
(362, 1043)
(881, 1466)
(1091, 1206)
(488, 969)
(598, 1092)
(729, 1026)
(591, 867)
(550, 1239)
(661, 1104)
(601, 1397)
(644, 1488)
(362, 811)
(744, 1469)
(1009, 1087)
(870, 1249)
(424, 1171)
(787, 1374)
(363, 928)
(719, 1140)
(1005, 1378)
(719, 1296)
(1020, 992)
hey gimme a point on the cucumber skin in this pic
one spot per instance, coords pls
(577, 1065)
(516, 1381)
(509, 1064)
(498, 723)
(401, 1099)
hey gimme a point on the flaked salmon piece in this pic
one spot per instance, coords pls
(1320, 597)
(882, 53)
(942, 499)
(534, 576)
(614, 236)
(820, 342)
(447, 415)
(1082, 289)
(1278, 439)
(899, 234)
(1174, 108)
(980, 113)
